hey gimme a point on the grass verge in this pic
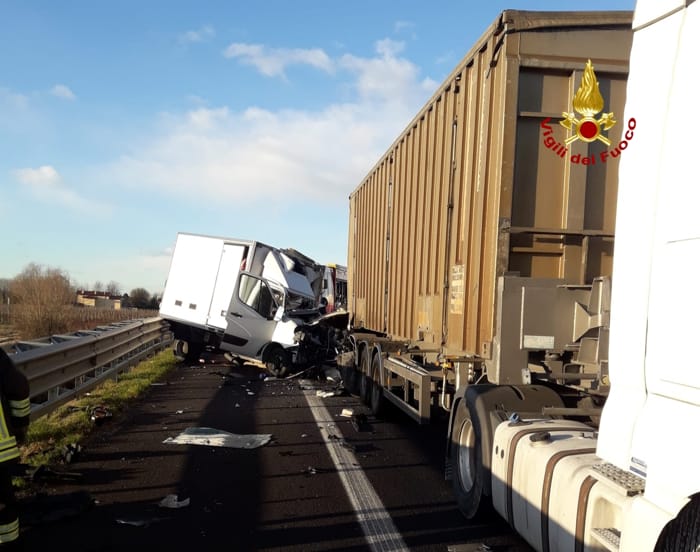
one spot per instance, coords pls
(70, 423)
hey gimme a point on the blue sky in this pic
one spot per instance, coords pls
(123, 123)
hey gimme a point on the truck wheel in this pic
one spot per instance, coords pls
(278, 362)
(683, 533)
(193, 351)
(365, 381)
(377, 402)
(180, 348)
(467, 466)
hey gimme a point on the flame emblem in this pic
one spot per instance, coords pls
(588, 102)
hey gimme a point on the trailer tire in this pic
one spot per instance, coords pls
(377, 402)
(365, 380)
(277, 361)
(683, 533)
(466, 462)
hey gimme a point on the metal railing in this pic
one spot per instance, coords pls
(61, 367)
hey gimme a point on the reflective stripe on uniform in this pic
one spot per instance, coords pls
(9, 531)
(8, 449)
(8, 444)
(21, 408)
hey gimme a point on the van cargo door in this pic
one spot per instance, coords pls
(229, 266)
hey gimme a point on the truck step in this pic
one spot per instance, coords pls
(608, 537)
(627, 482)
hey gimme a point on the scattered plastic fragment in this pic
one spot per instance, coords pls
(69, 452)
(324, 394)
(347, 412)
(171, 501)
(138, 522)
(208, 436)
(99, 414)
(179, 412)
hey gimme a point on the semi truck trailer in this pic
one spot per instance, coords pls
(482, 288)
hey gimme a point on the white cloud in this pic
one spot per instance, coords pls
(403, 26)
(281, 156)
(63, 92)
(204, 33)
(12, 99)
(272, 62)
(46, 185)
(385, 77)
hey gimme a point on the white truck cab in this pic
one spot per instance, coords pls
(633, 485)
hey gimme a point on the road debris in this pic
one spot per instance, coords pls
(360, 423)
(347, 412)
(100, 414)
(208, 436)
(46, 473)
(171, 501)
(70, 451)
(139, 522)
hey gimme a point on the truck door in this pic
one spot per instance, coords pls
(251, 315)
(229, 266)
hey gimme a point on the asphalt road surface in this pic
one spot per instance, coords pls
(319, 483)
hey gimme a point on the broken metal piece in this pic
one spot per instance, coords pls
(171, 501)
(99, 414)
(218, 438)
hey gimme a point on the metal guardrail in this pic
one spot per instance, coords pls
(60, 367)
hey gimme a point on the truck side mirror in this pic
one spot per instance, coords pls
(279, 313)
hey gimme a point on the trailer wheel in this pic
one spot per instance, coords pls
(683, 533)
(365, 381)
(465, 458)
(277, 362)
(377, 402)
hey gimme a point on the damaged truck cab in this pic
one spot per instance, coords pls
(243, 297)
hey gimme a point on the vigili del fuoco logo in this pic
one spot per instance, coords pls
(588, 103)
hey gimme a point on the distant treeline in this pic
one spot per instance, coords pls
(42, 301)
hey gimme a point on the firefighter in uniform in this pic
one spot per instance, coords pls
(14, 420)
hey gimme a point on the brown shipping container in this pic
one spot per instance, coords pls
(470, 191)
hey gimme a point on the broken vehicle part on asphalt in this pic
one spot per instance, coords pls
(208, 436)
(171, 501)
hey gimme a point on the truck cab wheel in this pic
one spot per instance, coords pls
(278, 362)
(683, 533)
(466, 462)
(179, 348)
(187, 350)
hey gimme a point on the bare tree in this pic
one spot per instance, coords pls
(98, 286)
(45, 296)
(113, 288)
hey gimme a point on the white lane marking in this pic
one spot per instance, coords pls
(380, 532)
